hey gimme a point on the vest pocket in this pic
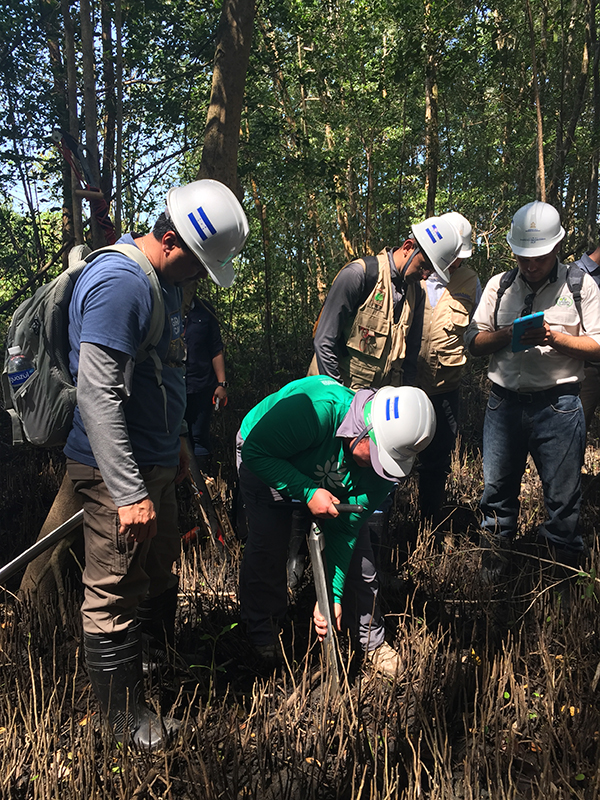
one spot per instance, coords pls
(451, 346)
(452, 359)
(459, 318)
(367, 341)
(361, 375)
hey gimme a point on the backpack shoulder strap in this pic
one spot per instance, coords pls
(574, 281)
(507, 279)
(157, 322)
(147, 349)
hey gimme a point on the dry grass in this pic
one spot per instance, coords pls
(499, 698)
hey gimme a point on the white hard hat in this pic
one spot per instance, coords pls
(440, 241)
(535, 230)
(463, 226)
(210, 220)
(402, 422)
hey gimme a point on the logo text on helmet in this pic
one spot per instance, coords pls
(388, 404)
(432, 233)
(203, 226)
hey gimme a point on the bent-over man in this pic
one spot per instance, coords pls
(320, 443)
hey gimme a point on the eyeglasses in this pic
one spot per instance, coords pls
(528, 305)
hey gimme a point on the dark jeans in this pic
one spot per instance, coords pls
(434, 461)
(263, 577)
(198, 415)
(550, 426)
(590, 392)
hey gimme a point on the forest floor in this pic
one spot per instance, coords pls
(499, 698)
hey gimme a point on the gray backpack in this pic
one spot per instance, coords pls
(42, 408)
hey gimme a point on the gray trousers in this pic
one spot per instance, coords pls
(118, 575)
(263, 579)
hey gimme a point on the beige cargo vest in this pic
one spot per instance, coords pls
(442, 355)
(376, 346)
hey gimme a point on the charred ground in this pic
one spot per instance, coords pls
(499, 698)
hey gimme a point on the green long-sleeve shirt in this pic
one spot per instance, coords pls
(290, 443)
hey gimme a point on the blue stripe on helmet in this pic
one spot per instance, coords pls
(209, 224)
(208, 228)
(196, 225)
(387, 409)
(430, 234)
(396, 409)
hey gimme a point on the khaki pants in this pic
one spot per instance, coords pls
(118, 575)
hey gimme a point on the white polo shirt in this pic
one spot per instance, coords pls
(537, 368)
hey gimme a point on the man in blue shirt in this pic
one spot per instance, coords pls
(204, 376)
(127, 447)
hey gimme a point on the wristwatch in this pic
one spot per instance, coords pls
(224, 384)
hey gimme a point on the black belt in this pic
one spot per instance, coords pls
(543, 396)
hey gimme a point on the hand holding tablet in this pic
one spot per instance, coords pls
(521, 326)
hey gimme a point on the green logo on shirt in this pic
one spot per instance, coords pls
(565, 301)
(331, 475)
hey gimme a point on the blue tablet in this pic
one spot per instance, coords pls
(523, 324)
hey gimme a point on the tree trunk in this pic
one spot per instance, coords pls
(566, 141)
(108, 71)
(432, 145)
(221, 138)
(264, 227)
(118, 119)
(592, 192)
(70, 199)
(61, 119)
(369, 211)
(342, 217)
(399, 200)
(540, 175)
(90, 109)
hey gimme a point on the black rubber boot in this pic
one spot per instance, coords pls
(114, 665)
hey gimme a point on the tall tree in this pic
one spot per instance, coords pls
(232, 52)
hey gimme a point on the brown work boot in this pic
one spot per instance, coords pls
(386, 661)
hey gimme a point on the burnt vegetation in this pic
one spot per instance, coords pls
(499, 698)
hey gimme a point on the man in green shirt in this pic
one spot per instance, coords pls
(321, 443)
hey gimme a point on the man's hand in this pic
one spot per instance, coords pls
(138, 520)
(184, 460)
(322, 504)
(321, 623)
(581, 347)
(220, 398)
(542, 336)
(488, 342)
